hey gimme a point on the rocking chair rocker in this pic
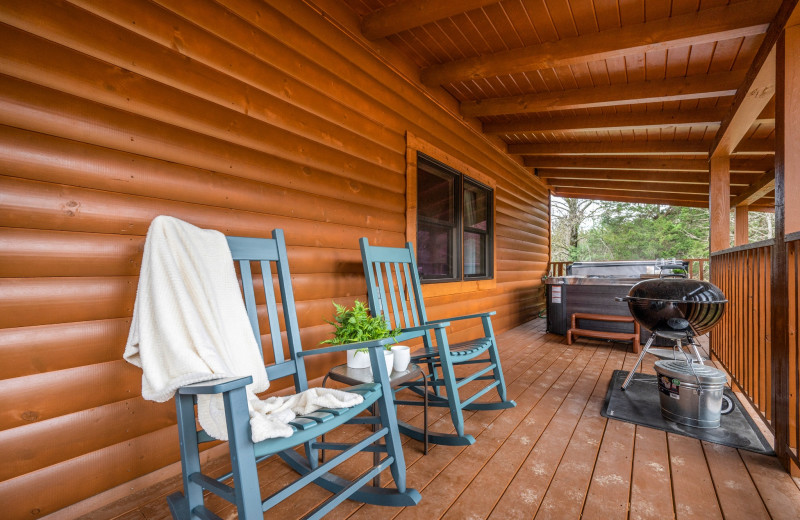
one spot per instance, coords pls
(245, 454)
(393, 286)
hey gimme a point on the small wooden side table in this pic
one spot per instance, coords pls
(397, 380)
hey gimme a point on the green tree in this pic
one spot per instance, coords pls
(624, 231)
(568, 217)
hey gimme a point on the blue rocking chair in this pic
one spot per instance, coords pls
(245, 454)
(394, 291)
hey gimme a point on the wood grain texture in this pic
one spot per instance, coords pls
(673, 89)
(737, 20)
(619, 121)
(719, 203)
(240, 116)
(742, 229)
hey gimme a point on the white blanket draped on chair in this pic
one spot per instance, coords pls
(190, 325)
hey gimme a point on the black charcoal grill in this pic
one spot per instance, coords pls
(675, 307)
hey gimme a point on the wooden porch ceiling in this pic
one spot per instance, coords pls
(607, 89)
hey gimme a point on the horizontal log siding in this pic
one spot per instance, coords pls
(234, 115)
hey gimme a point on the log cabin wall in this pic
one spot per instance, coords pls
(238, 115)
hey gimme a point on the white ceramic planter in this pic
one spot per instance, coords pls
(388, 356)
(357, 359)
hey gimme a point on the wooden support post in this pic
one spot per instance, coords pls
(791, 132)
(719, 203)
(787, 219)
(741, 235)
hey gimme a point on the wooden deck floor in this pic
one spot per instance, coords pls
(553, 456)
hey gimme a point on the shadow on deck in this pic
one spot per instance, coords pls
(553, 456)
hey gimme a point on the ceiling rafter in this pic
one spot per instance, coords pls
(756, 191)
(408, 14)
(634, 148)
(632, 186)
(737, 179)
(694, 201)
(642, 163)
(757, 89)
(624, 121)
(746, 108)
(710, 25)
(672, 89)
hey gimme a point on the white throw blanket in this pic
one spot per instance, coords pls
(190, 325)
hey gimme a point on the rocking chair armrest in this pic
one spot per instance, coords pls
(467, 317)
(348, 346)
(440, 324)
(217, 386)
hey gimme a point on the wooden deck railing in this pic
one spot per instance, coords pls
(698, 268)
(743, 339)
(558, 268)
(793, 261)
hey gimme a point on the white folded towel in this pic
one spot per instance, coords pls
(190, 325)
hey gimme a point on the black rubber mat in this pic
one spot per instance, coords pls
(640, 404)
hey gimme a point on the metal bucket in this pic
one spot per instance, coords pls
(682, 400)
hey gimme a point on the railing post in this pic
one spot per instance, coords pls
(787, 218)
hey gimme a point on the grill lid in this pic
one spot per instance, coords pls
(683, 372)
(676, 290)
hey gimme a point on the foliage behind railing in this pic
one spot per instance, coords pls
(698, 268)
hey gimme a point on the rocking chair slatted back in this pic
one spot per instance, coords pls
(394, 291)
(244, 250)
(260, 254)
(394, 272)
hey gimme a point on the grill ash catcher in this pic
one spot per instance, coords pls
(678, 308)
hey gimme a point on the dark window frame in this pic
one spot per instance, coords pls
(457, 267)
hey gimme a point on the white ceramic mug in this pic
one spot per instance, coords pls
(402, 356)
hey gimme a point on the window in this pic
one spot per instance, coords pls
(454, 224)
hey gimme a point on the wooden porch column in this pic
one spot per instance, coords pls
(719, 203)
(790, 140)
(787, 220)
(741, 235)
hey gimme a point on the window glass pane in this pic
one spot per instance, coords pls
(435, 194)
(474, 254)
(476, 207)
(434, 251)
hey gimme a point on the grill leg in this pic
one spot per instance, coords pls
(696, 350)
(639, 361)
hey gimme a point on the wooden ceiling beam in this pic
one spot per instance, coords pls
(756, 191)
(750, 146)
(709, 25)
(745, 109)
(755, 146)
(612, 148)
(408, 14)
(644, 199)
(767, 114)
(632, 186)
(673, 89)
(737, 179)
(756, 90)
(624, 121)
(700, 201)
(642, 163)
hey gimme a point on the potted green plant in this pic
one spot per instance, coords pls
(355, 325)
